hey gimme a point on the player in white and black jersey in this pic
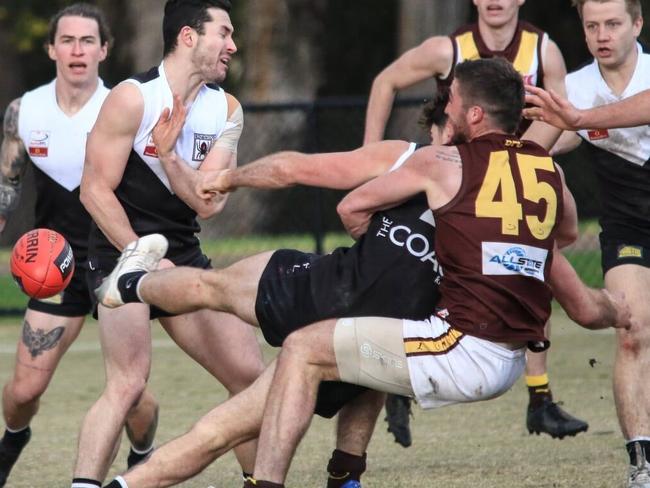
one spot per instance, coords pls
(48, 126)
(132, 185)
(281, 291)
(620, 76)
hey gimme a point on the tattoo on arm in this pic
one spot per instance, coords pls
(447, 156)
(12, 155)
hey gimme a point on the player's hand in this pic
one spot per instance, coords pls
(213, 184)
(551, 108)
(166, 131)
(3, 222)
(355, 226)
(621, 308)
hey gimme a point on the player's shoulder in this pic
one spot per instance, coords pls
(233, 103)
(583, 73)
(152, 74)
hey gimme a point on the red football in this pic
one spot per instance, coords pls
(42, 263)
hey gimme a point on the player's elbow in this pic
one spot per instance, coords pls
(566, 236)
(212, 208)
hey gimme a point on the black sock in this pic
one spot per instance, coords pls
(113, 484)
(253, 483)
(344, 467)
(127, 285)
(17, 439)
(137, 457)
(537, 395)
(631, 450)
(246, 475)
(86, 482)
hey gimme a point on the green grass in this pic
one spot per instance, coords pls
(482, 445)
(10, 295)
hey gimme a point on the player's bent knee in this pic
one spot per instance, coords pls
(126, 392)
(24, 392)
(297, 345)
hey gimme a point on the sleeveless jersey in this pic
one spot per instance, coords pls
(495, 240)
(620, 156)
(391, 271)
(524, 52)
(55, 143)
(145, 192)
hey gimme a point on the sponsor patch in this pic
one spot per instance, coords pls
(150, 149)
(39, 142)
(597, 134)
(502, 258)
(202, 145)
(625, 251)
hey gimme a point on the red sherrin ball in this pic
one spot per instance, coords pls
(42, 263)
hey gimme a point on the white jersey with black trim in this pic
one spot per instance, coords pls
(144, 192)
(55, 143)
(586, 88)
(620, 157)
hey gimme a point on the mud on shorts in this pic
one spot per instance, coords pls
(425, 359)
(285, 303)
(74, 301)
(616, 252)
(99, 267)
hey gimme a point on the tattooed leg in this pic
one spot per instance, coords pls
(44, 339)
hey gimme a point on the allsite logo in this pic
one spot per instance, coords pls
(508, 259)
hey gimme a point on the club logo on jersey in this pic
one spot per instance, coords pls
(150, 149)
(625, 251)
(597, 134)
(39, 141)
(501, 258)
(202, 145)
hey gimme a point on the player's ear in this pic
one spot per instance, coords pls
(51, 52)
(475, 114)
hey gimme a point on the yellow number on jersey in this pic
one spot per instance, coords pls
(535, 191)
(508, 208)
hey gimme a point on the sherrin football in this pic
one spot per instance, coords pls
(42, 263)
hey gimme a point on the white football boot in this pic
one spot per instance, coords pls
(141, 255)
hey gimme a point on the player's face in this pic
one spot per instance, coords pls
(456, 116)
(610, 32)
(77, 50)
(497, 13)
(215, 47)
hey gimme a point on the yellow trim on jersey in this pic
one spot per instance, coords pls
(435, 345)
(467, 49)
(526, 53)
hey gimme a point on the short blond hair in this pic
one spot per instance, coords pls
(633, 7)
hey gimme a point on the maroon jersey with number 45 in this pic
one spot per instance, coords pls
(495, 240)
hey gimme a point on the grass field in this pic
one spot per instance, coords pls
(479, 445)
